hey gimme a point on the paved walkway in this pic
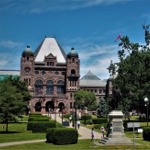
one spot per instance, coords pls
(84, 134)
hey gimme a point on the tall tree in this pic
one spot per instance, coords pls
(132, 73)
(102, 108)
(11, 101)
(86, 99)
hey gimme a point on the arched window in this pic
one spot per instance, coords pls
(73, 72)
(60, 87)
(49, 87)
(38, 87)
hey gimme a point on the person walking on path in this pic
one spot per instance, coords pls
(78, 124)
(103, 131)
(92, 135)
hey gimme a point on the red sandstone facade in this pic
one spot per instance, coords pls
(52, 83)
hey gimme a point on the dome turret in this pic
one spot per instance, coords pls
(72, 53)
(27, 52)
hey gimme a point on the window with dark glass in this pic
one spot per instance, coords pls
(60, 87)
(43, 72)
(50, 63)
(36, 72)
(39, 87)
(73, 72)
(49, 87)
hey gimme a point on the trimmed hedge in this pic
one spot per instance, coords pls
(35, 114)
(42, 126)
(99, 120)
(146, 133)
(67, 116)
(38, 118)
(86, 117)
(50, 135)
(38, 126)
(98, 126)
(62, 136)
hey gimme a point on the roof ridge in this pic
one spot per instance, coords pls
(90, 76)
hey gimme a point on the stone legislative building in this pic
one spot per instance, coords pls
(52, 76)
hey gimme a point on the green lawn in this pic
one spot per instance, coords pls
(18, 132)
(81, 145)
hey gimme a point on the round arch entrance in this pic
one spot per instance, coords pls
(38, 107)
(61, 106)
(49, 105)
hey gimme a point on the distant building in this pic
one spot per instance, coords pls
(7, 73)
(92, 83)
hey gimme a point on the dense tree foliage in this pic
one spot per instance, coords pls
(132, 74)
(102, 110)
(85, 99)
(13, 99)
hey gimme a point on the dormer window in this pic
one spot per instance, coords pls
(50, 63)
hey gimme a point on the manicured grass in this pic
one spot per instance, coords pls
(81, 145)
(18, 132)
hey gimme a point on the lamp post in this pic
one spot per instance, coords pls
(49, 111)
(62, 116)
(75, 116)
(146, 104)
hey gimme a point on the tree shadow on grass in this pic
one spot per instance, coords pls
(9, 132)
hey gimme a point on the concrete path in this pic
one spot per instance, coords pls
(20, 142)
(84, 132)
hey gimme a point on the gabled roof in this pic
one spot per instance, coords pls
(50, 45)
(91, 80)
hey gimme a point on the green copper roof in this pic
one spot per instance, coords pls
(72, 53)
(7, 73)
(90, 76)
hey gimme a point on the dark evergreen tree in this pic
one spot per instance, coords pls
(102, 108)
(12, 100)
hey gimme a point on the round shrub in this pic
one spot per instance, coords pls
(64, 136)
(146, 133)
(50, 135)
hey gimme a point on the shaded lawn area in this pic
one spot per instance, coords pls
(18, 132)
(81, 145)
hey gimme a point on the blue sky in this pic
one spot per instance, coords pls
(90, 26)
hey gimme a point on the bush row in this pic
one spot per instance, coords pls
(62, 136)
(99, 120)
(38, 118)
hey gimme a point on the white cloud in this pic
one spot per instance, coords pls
(40, 6)
(98, 65)
(9, 44)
